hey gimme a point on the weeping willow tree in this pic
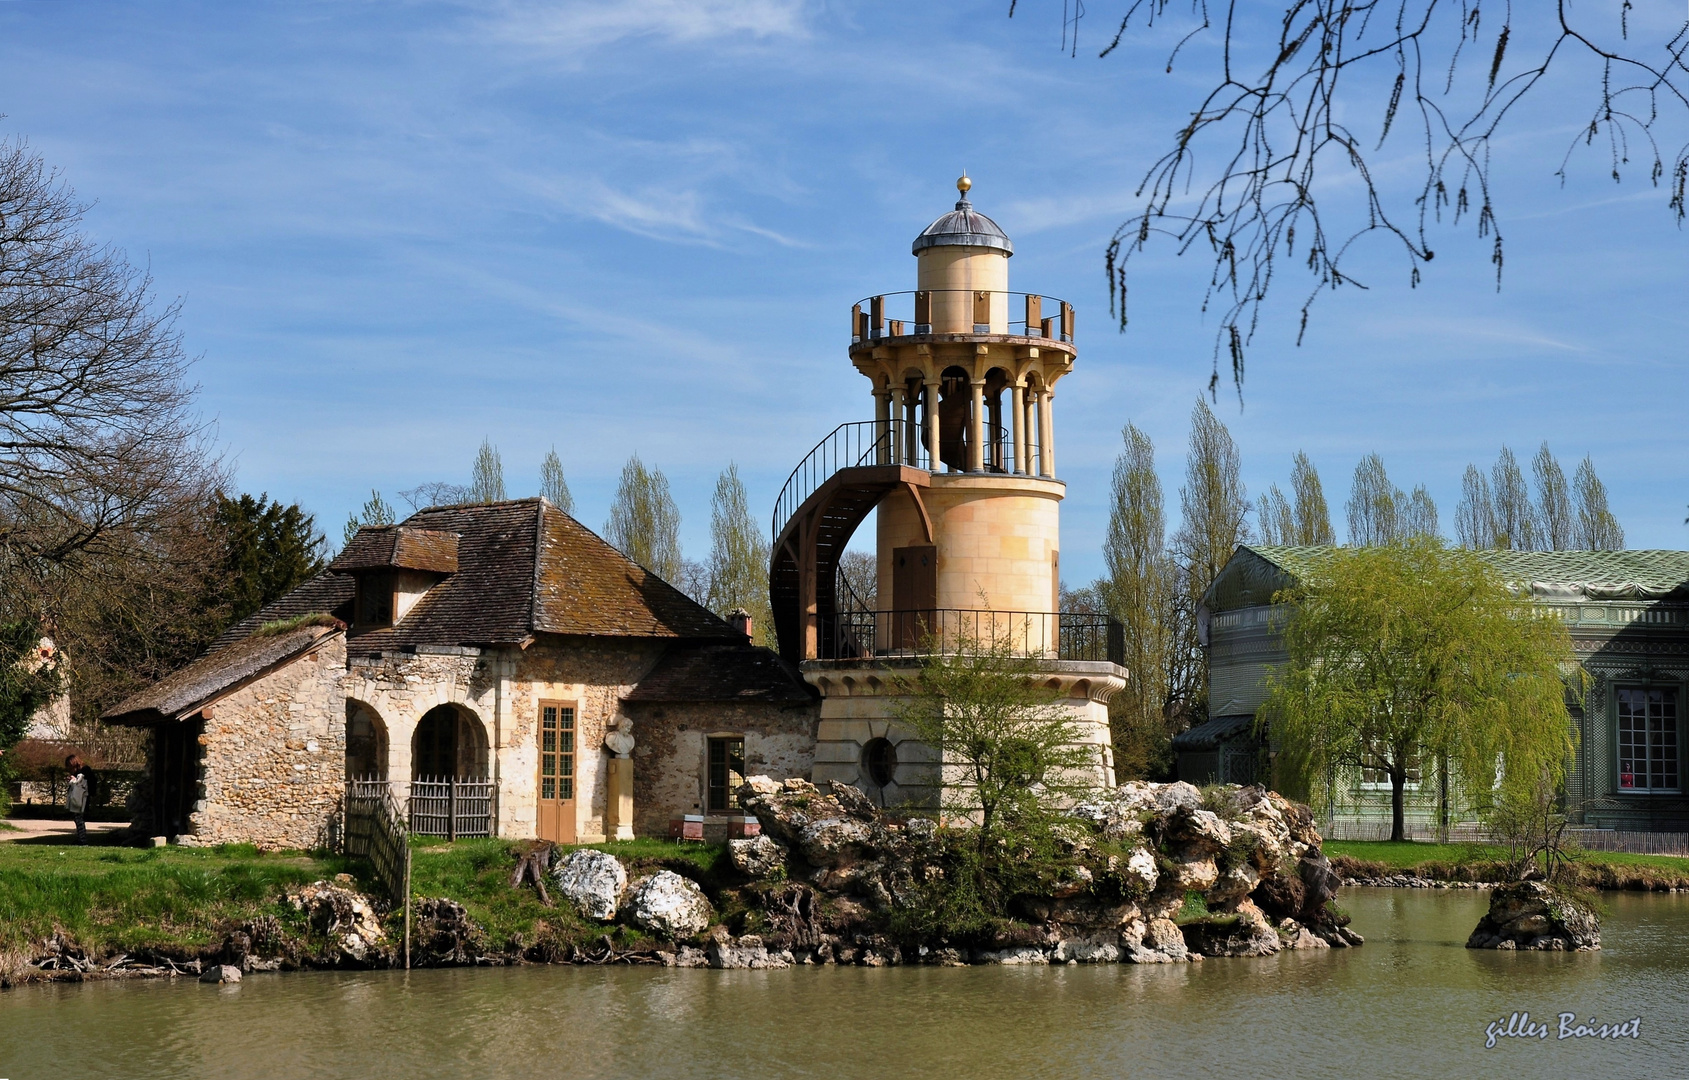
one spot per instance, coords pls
(1412, 653)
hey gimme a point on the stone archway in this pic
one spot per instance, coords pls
(450, 743)
(366, 743)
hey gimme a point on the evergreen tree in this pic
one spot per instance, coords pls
(268, 550)
(1474, 517)
(1556, 526)
(486, 485)
(644, 522)
(1597, 529)
(738, 567)
(376, 511)
(1138, 592)
(552, 484)
(1515, 520)
(1313, 519)
(1374, 511)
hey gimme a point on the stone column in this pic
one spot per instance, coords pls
(1017, 417)
(976, 428)
(911, 436)
(898, 411)
(618, 803)
(882, 427)
(1046, 433)
(932, 425)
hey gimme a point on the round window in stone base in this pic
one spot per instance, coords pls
(879, 762)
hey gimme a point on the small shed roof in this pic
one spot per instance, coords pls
(722, 672)
(1213, 731)
(189, 689)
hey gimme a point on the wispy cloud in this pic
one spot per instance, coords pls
(581, 26)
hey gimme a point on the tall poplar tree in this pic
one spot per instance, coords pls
(1474, 517)
(1276, 519)
(1597, 529)
(1418, 513)
(738, 567)
(1313, 517)
(1373, 511)
(486, 484)
(644, 522)
(1214, 520)
(552, 484)
(1514, 517)
(1139, 591)
(1556, 527)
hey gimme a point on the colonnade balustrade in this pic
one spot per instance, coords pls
(908, 426)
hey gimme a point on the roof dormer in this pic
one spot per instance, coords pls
(394, 566)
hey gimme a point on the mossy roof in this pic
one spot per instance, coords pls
(1255, 573)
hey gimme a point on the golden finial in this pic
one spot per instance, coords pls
(963, 184)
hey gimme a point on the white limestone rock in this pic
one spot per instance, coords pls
(758, 856)
(220, 973)
(670, 906)
(593, 881)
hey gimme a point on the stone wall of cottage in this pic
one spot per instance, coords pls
(272, 762)
(670, 754)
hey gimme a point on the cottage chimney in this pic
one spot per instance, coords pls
(740, 620)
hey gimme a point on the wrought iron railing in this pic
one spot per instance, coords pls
(1051, 635)
(451, 807)
(864, 442)
(960, 311)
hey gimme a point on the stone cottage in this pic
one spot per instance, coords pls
(1628, 614)
(500, 667)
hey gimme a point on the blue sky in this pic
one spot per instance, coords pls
(398, 229)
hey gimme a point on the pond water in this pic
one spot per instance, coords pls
(1413, 1002)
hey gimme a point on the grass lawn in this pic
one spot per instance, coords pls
(1476, 862)
(180, 902)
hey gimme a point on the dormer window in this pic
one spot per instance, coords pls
(395, 566)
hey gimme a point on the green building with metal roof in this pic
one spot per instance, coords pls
(1628, 613)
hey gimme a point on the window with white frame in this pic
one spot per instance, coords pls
(1648, 739)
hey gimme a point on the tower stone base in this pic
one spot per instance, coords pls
(860, 705)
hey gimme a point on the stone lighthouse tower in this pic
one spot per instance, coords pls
(960, 462)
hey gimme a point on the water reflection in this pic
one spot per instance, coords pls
(1413, 1002)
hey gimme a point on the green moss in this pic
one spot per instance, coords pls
(283, 626)
(1195, 908)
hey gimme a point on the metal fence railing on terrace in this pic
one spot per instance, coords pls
(1065, 635)
(960, 311)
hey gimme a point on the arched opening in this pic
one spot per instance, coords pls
(450, 743)
(954, 405)
(366, 743)
(999, 451)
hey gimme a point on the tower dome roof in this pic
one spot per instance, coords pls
(963, 227)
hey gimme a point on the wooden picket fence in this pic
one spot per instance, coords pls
(376, 830)
(451, 807)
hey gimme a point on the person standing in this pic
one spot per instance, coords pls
(76, 796)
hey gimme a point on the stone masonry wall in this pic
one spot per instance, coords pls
(273, 757)
(669, 770)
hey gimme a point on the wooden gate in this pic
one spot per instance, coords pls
(557, 773)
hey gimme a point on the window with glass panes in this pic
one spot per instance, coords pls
(727, 760)
(557, 752)
(1648, 739)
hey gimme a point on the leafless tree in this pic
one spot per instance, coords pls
(1305, 94)
(98, 440)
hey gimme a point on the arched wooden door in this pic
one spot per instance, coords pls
(556, 819)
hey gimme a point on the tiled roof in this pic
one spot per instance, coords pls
(721, 672)
(524, 568)
(399, 547)
(1254, 573)
(214, 674)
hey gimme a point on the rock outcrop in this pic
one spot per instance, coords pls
(669, 906)
(348, 919)
(593, 881)
(1535, 915)
(1239, 867)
